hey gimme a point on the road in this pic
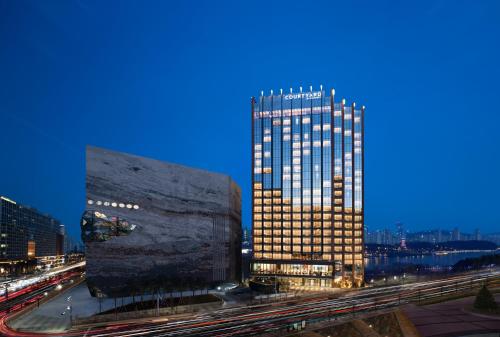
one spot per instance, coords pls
(27, 291)
(24, 282)
(277, 317)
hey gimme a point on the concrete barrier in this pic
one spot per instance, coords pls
(122, 316)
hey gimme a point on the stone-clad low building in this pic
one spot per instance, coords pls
(151, 225)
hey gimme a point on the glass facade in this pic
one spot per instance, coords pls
(25, 232)
(307, 193)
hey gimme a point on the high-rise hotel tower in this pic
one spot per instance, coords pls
(307, 189)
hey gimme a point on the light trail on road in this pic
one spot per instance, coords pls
(264, 318)
(22, 283)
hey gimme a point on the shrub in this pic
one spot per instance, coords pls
(485, 300)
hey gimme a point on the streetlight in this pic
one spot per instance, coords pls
(70, 309)
(59, 287)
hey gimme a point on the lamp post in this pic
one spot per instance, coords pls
(70, 308)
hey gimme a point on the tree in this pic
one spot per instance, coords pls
(485, 300)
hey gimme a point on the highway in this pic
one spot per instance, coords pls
(277, 317)
(29, 290)
(261, 319)
(25, 282)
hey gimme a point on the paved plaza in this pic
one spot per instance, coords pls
(49, 318)
(453, 318)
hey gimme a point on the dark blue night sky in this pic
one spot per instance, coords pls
(172, 80)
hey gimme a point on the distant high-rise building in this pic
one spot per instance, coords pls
(388, 238)
(246, 237)
(455, 236)
(477, 234)
(26, 233)
(400, 229)
(60, 241)
(307, 189)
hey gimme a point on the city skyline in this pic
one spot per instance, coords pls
(323, 168)
(114, 81)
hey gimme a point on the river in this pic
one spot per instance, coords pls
(379, 262)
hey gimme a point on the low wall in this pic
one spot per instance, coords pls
(122, 316)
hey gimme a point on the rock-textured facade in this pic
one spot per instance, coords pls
(154, 226)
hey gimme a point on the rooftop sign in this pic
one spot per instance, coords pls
(306, 95)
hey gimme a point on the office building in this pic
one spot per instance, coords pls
(307, 188)
(154, 226)
(26, 233)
